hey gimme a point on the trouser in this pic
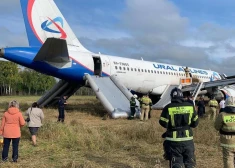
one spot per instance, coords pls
(144, 112)
(6, 145)
(132, 112)
(212, 113)
(180, 154)
(200, 112)
(228, 157)
(61, 114)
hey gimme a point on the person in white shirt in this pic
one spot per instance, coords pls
(222, 105)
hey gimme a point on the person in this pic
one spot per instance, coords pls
(146, 104)
(225, 124)
(222, 105)
(133, 106)
(35, 115)
(213, 104)
(201, 107)
(12, 121)
(187, 72)
(61, 105)
(189, 98)
(178, 117)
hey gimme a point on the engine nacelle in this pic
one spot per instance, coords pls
(228, 91)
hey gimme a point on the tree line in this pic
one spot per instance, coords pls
(15, 80)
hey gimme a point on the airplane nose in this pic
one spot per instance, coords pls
(1, 52)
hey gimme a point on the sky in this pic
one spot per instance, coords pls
(195, 33)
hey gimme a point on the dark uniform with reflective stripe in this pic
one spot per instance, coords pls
(178, 117)
(132, 106)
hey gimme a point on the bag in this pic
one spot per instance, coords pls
(27, 119)
(1, 140)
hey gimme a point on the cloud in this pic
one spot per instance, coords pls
(157, 32)
(153, 29)
(153, 21)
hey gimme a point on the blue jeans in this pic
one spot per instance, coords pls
(6, 145)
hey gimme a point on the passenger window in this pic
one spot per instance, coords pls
(139, 70)
(127, 68)
(163, 72)
(142, 70)
(154, 71)
(151, 71)
(145, 70)
(116, 67)
(120, 68)
(124, 68)
(135, 69)
(160, 72)
(148, 71)
(131, 69)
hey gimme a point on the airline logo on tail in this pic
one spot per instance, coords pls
(46, 26)
(215, 76)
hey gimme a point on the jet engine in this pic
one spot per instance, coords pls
(228, 91)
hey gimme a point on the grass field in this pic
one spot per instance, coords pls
(87, 141)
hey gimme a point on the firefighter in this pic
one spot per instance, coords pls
(213, 104)
(146, 104)
(225, 123)
(133, 106)
(178, 117)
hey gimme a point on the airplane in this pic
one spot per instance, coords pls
(55, 50)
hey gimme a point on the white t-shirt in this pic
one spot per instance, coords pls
(222, 104)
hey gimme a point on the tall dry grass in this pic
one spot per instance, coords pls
(87, 141)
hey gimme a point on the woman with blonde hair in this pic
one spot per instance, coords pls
(12, 120)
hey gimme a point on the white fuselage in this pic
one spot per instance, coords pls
(142, 76)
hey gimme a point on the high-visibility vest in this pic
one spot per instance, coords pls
(228, 123)
(213, 103)
(132, 102)
(173, 131)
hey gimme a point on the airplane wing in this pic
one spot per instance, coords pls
(211, 84)
(53, 51)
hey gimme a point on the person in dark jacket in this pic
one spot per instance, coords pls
(178, 117)
(201, 107)
(61, 105)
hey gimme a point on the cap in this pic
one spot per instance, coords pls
(135, 96)
(230, 101)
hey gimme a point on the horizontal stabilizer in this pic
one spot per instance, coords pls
(53, 50)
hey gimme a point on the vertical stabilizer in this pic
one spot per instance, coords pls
(43, 19)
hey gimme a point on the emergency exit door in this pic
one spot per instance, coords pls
(97, 66)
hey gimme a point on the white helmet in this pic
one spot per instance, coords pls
(135, 96)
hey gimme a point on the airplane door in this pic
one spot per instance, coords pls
(97, 66)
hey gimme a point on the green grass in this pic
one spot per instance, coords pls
(87, 141)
